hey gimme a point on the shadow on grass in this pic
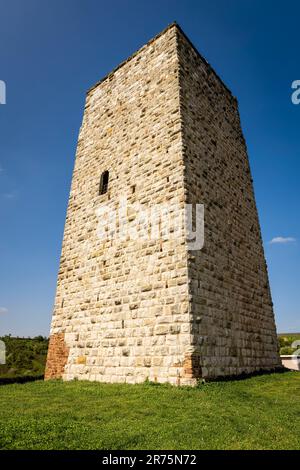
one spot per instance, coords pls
(244, 376)
(20, 379)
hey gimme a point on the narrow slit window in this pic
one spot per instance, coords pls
(104, 182)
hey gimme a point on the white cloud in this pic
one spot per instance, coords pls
(11, 195)
(3, 310)
(282, 240)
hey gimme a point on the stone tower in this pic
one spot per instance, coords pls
(162, 128)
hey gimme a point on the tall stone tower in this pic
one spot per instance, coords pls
(162, 128)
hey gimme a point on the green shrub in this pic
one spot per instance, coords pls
(285, 343)
(286, 351)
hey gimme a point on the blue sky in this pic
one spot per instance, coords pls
(52, 52)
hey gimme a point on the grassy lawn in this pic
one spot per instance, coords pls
(257, 413)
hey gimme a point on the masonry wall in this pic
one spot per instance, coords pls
(122, 306)
(232, 316)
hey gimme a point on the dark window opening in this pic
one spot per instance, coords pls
(104, 182)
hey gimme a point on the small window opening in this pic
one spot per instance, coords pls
(104, 182)
(133, 189)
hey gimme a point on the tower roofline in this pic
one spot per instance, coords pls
(171, 25)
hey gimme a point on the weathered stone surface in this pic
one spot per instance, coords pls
(57, 358)
(229, 288)
(167, 130)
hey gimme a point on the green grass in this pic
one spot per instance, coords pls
(257, 413)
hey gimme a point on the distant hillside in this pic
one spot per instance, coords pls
(24, 356)
(289, 334)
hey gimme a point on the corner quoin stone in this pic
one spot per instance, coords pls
(164, 124)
